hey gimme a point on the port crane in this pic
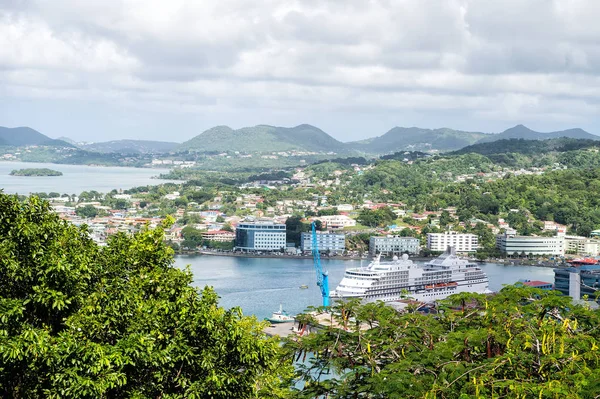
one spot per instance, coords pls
(322, 276)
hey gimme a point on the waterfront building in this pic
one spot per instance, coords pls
(219, 235)
(327, 242)
(394, 245)
(530, 245)
(461, 242)
(260, 236)
(577, 281)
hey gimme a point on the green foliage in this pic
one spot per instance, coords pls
(35, 172)
(520, 343)
(376, 218)
(294, 228)
(82, 321)
(87, 211)
(263, 138)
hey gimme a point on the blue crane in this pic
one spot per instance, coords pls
(322, 277)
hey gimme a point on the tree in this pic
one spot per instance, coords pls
(522, 342)
(83, 321)
(445, 219)
(87, 211)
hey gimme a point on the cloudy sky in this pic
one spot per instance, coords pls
(154, 69)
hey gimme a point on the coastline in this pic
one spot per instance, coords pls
(506, 262)
(268, 256)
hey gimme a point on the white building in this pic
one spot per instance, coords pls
(461, 242)
(327, 242)
(260, 236)
(336, 221)
(525, 245)
(582, 245)
(393, 245)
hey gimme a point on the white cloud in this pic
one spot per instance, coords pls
(491, 59)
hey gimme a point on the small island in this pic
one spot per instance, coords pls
(36, 172)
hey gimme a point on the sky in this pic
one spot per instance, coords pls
(97, 70)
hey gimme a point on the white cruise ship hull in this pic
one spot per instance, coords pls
(402, 279)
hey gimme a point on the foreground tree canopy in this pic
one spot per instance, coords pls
(82, 321)
(520, 343)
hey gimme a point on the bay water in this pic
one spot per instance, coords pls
(75, 178)
(259, 285)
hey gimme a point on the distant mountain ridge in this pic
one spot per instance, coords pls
(417, 139)
(307, 138)
(523, 132)
(131, 147)
(24, 136)
(264, 138)
(528, 147)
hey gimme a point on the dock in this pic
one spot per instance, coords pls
(282, 330)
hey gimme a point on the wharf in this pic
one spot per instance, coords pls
(282, 330)
(323, 320)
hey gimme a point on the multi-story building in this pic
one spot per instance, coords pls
(327, 242)
(219, 235)
(260, 236)
(530, 245)
(578, 281)
(461, 242)
(393, 245)
(582, 245)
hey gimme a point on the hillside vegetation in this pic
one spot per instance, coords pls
(414, 138)
(132, 146)
(263, 138)
(24, 136)
(523, 132)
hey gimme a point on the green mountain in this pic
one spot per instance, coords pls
(24, 136)
(523, 132)
(263, 138)
(527, 147)
(417, 139)
(131, 147)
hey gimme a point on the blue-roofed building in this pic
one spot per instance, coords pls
(577, 281)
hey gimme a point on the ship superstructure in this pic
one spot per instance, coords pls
(402, 278)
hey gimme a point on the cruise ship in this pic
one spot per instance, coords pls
(401, 278)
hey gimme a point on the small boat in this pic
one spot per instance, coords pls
(281, 316)
(304, 286)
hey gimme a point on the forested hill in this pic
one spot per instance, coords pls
(523, 132)
(264, 138)
(131, 147)
(529, 147)
(417, 139)
(24, 136)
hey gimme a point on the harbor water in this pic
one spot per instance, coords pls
(259, 285)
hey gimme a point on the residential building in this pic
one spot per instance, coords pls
(461, 242)
(336, 221)
(582, 245)
(530, 245)
(393, 245)
(260, 236)
(327, 242)
(219, 235)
